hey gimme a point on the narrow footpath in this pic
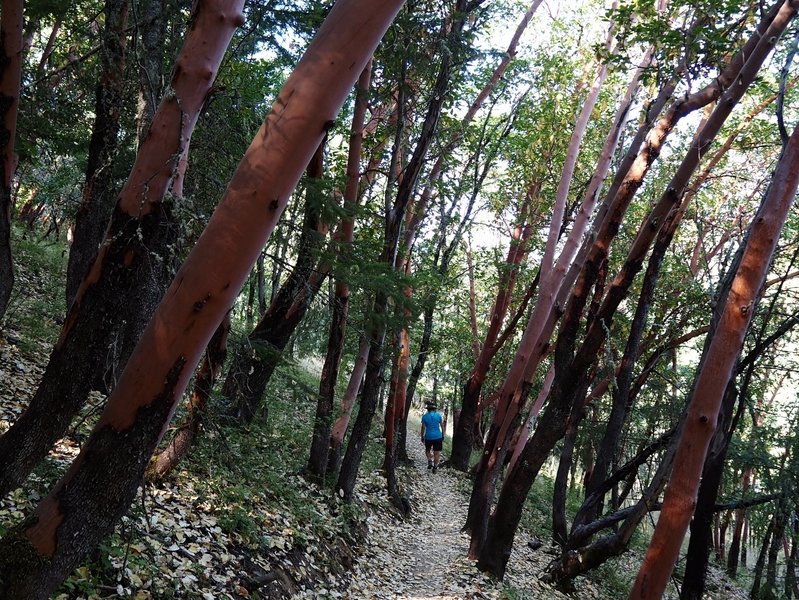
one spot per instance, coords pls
(424, 556)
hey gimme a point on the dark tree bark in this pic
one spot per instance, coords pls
(84, 506)
(559, 535)
(770, 591)
(761, 559)
(98, 198)
(790, 589)
(150, 22)
(122, 275)
(10, 74)
(505, 520)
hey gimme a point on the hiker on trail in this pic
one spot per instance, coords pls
(432, 436)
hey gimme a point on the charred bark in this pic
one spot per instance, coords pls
(98, 198)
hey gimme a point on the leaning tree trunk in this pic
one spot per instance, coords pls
(197, 407)
(345, 411)
(462, 441)
(769, 591)
(505, 520)
(253, 366)
(696, 558)
(122, 273)
(151, 25)
(706, 397)
(10, 75)
(97, 200)
(761, 560)
(84, 506)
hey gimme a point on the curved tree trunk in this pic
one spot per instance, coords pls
(122, 275)
(462, 441)
(505, 520)
(84, 506)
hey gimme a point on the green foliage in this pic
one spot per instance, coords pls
(37, 301)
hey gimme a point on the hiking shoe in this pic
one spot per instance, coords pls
(435, 468)
(429, 464)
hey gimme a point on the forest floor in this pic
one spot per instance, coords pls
(423, 557)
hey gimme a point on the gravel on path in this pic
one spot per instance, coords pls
(423, 557)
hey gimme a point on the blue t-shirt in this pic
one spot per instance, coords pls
(432, 425)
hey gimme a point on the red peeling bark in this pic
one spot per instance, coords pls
(123, 271)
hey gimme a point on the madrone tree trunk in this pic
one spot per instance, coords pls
(680, 497)
(320, 443)
(566, 389)
(97, 200)
(124, 269)
(197, 406)
(255, 362)
(84, 506)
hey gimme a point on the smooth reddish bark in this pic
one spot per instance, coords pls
(96, 491)
(123, 271)
(680, 498)
(197, 406)
(345, 411)
(462, 441)
(572, 368)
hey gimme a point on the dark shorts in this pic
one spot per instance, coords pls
(434, 445)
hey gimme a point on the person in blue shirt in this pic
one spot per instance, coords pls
(432, 436)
